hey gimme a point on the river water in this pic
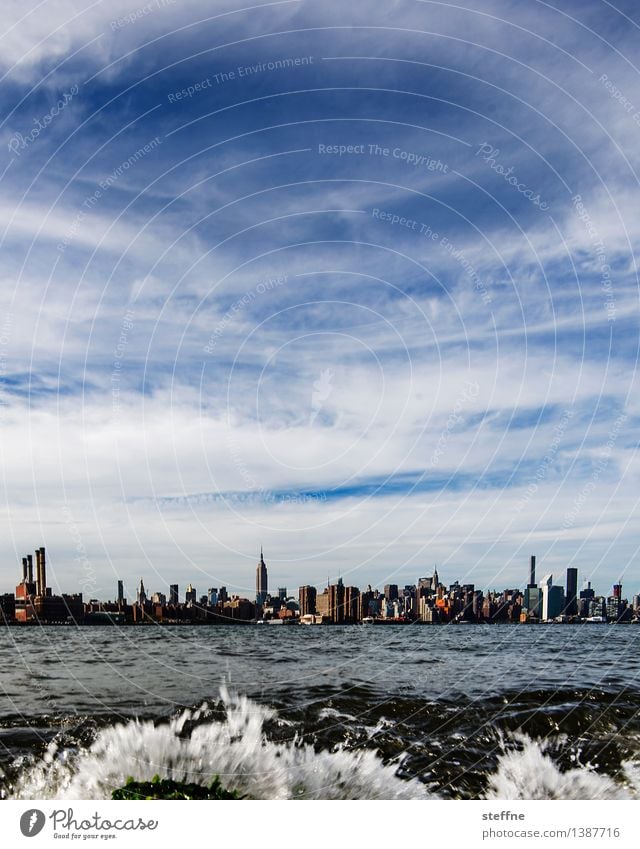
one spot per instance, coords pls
(533, 712)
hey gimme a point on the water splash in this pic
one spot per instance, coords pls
(192, 747)
(197, 745)
(530, 773)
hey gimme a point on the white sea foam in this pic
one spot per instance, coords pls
(236, 749)
(530, 773)
(195, 747)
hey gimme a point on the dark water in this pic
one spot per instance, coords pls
(324, 712)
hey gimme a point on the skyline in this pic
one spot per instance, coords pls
(363, 292)
(427, 600)
(131, 587)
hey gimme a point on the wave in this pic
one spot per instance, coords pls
(194, 748)
(230, 740)
(530, 773)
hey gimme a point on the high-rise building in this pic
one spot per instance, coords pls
(614, 603)
(120, 592)
(587, 595)
(307, 600)
(261, 580)
(351, 604)
(391, 592)
(212, 596)
(571, 608)
(190, 596)
(425, 586)
(552, 599)
(174, 595)
(142, 595)
(532, 571)
(282, 593)
(533, 601)
(336, 602)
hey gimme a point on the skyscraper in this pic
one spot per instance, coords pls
(174, 594)
(532, 571)
(307, 599)
(572, 592)
(120, 592)
(552, 599)
(261, 580)
(142, 595)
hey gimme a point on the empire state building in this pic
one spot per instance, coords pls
(261, 580)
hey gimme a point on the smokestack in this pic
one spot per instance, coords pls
(24, 570)
(42, 573)
(30, 567)
(532, 571)
(38, 571)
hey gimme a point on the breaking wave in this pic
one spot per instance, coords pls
(195, 746)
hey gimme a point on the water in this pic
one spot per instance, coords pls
(468, 712)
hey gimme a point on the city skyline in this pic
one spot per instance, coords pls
(542, 599)
(399, 576)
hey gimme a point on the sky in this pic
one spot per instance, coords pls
(353, 282)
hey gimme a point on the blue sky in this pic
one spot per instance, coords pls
(356, 284)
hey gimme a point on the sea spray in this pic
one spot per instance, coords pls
(194, 747)
(530, 773)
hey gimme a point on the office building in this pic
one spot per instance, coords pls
(571, 608)
(336, 602)
(261, 580)
(552, 599)
(532, 571)
(307, 600)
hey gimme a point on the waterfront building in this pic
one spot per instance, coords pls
(587, 596)
(174, 595)
(552, 599)
(615, 605)
(336, 603)
(351, 604)
(307, 599)
(322, 603)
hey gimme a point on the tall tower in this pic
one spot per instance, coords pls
(41, 572)
(142, 596)
(261, 580)
(571, 608)
(532, 571)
